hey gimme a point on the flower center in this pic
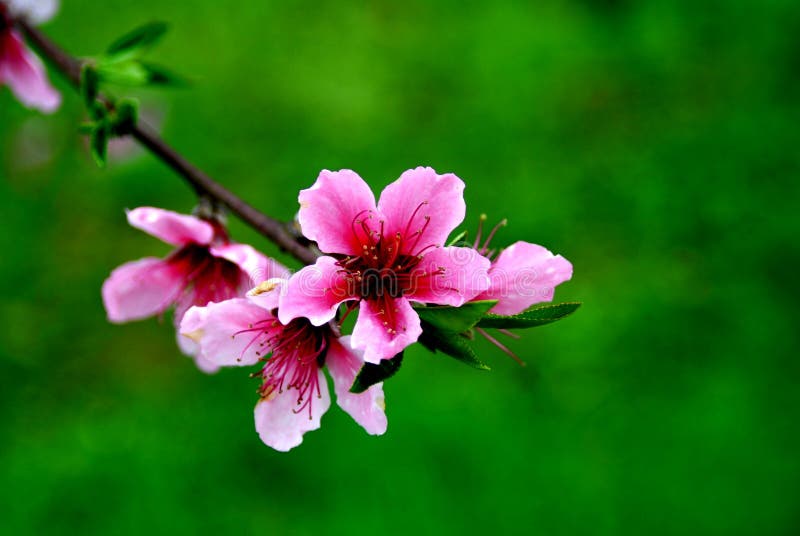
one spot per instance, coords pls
(298, 352)
(386, 265)
(208, 278)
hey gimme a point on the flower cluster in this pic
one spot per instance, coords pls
(388, 261)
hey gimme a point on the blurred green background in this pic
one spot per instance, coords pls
(654, 144)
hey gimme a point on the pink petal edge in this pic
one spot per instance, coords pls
(372, 336)
(368, 408)
(171, 227)
(422, 199)
(330, 207)
(279, 426)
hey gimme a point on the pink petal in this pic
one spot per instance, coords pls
(25, 75)
(315, 292)
(367, 408)
(280, 421)
(230, 333)
(450, 276)
(267, 293)
(330, 208)
(381, 335)
(171, 227)
(525, 274)
(140, 289)
(252, 262)
(192, 349)
(417, 195)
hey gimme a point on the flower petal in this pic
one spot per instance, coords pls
(230, 333)
(252, 262)
(367, 408)
(524, 274)
(315, 292)
(384, 329)
(171, 227)
(192, 349)
(26, 75)
(140, 289)
(34, 11)
(330, 208)
(421, 201)
(267, 293)
(280, 421)
(449, 276)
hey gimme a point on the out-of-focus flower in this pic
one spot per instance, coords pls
(20, 69)
(384, 256)
(294, 390)
(34, 11)
(205, 267)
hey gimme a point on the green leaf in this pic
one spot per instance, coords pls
(126, 73)
(159, 75)
(98, 143)
(136, 41)
(125, 118)
(538, 315)
(370, 374)
(455, 319)
(90, 84)
(453, 344)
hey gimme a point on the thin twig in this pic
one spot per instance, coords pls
(273, 229)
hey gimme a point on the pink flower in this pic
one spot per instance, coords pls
(205, 267)
(522, 275)
(294, 391)
(383, 257)
(20, 69)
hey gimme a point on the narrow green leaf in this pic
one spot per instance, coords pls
(159, 75)
(538, 315)
(370, 374)
(98, 143)
(455, 319)
(137, 40)
(453, 344)
(90, 84)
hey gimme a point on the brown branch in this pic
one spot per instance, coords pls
(274, 230)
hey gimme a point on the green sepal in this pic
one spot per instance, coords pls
(453, 344)
(158, 75)
(455, 319)
(370, 373)
(538, 315)
(90, 84)
(98, 111)
(125, 118)
(136, 41)
(98, 142)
